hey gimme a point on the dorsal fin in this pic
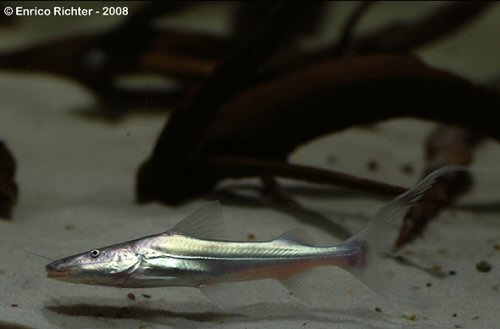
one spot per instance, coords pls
(205, 223)
(297, 236)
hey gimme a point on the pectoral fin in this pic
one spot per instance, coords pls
(224, 295)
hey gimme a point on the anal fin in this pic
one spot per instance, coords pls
(302, 284)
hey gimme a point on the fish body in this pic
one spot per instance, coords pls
(188, 261)
(176, 259)
(195, 253)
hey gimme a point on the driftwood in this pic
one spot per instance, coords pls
(8, 186)
(403, 36)
(272, 119)
(447, 145)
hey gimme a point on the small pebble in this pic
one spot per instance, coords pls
(131, 296)
(437, 269)
(331, 159)
(372, 165)
(407, 169)
(442, 251)
(409, 316)
(483, 266)
(400, 258)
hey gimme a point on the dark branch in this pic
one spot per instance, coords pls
(347, 34)
(8, 187)
(233, 166)
(404, 37)
(447, 145)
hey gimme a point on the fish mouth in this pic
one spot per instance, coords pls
(58, 274)
(54, 271)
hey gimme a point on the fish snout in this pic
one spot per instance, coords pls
(56, 269)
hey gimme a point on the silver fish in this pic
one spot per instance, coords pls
(194, 254)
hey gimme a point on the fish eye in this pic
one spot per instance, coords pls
(95, 253)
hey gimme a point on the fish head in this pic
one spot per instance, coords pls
(107, 266)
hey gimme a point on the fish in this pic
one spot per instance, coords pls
(196, 253)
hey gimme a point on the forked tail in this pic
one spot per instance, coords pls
(375, 242)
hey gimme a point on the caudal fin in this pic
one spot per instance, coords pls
(376, 240)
